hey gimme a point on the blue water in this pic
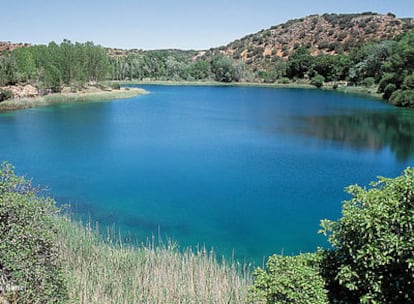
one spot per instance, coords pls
(244, 170)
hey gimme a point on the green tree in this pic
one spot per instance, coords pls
(225, 69)
(373, 241)
(8, 70)
(317, 81)
(299, 63)
(398, 66)
(52, 78)
(25, 64)
(95, 62)
(200, 69)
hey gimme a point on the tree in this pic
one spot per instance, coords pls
(8, 71)
(95, 62)
(299, 63)
(398, 66)
(25, 64)
(317, 81)
(225, 69)
(200, 69)
(373, 255)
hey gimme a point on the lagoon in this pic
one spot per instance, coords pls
(247, 171)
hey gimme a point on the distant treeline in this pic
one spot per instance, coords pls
(387, 65)
(53, 66)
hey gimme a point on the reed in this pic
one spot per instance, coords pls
(108, 271)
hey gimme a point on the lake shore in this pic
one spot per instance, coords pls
(354, 90)
(63, 98)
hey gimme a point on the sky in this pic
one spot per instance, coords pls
(161, 24)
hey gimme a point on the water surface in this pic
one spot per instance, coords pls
(249, 170)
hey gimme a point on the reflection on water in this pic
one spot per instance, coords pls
(372, 130)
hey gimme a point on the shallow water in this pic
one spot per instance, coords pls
(244, 170)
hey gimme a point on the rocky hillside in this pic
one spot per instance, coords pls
(9, 46)
(321, 34)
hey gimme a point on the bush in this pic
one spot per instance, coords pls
(289, 279)
(368, 82)
(373, 242)
(5, 94)
(115, 86)
(389, 89)
(317, 81)
(403, 98)
(284, 80)
(408, 83)
(29, 267)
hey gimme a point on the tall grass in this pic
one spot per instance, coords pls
(110, 272)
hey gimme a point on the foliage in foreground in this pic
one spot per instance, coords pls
(372, 260)
(289, 279)
(374, 242)
(30, 270)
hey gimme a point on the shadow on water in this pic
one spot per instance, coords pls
(370, 130)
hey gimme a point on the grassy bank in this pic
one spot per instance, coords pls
(54, 99)
(109, 272)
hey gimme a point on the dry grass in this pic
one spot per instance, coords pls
(54, 99)
(102, 272)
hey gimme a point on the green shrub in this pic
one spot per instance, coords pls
(389, 89)
(403, 98)
(408, 83)
(317, 81)
(373, 256)
(115, 86)
(289, 279)
(29, 266)
(5, 94)
(284, 80)
(368, 82)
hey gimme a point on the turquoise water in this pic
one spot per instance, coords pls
(244, 170)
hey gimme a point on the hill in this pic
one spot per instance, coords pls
(320, 34)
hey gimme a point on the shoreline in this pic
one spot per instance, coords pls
(370, 92)
(64, 98)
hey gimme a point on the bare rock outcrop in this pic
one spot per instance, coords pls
(22, 91)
